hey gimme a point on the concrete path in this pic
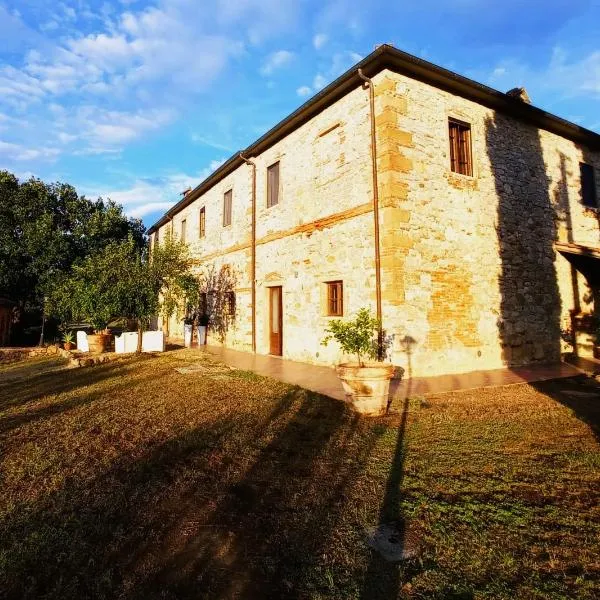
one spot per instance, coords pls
(323, 380)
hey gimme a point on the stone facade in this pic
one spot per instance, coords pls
(470, 278)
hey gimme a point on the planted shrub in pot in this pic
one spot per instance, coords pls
(67, 339)
(367, 381)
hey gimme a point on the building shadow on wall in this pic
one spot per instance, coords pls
(529, 319)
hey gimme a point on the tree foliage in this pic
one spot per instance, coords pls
(45, 229)
(120, 280)
(358, 336)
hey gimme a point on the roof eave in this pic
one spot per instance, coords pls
(383, 57)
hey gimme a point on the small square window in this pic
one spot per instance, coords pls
(183, 228)
(202, 223)
(588, 186)
(460, 147)
(273, 185)
(335, 299)
(227, 201)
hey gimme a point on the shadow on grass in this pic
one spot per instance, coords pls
(63, 390)
(242, 506)
(580, 394)
(24, 387)
(382, 579)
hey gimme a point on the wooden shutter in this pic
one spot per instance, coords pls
(202, 224)
(273, 185)
(588, 185)
(227, 201)
(183, 227)
(335, 299)
(460, 147)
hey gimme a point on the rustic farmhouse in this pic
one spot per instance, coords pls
(466, 217)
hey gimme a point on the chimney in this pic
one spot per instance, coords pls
(186, 192)
(519, 93)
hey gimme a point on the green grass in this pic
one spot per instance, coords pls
(132, 480)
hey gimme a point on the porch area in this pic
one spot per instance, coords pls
(323, 380)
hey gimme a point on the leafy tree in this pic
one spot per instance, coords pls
(120, 280)
(358, 336)
(45, 229)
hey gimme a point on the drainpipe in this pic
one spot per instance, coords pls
(253, 258)
(369, 84)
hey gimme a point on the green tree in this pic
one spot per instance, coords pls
(121, 280)
(45, 229)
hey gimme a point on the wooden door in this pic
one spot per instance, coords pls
(275, 321)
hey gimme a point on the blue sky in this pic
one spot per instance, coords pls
(137, 100)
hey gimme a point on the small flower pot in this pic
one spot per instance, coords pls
(68, 346)
(366, 387)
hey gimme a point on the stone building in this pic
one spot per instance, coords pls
(487, 219)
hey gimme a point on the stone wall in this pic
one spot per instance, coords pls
(12, 355)
(321, 230)
(470, 278)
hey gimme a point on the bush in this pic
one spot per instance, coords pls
(358, 337)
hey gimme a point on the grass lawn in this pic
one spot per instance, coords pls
(132, 480)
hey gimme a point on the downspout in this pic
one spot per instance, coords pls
(369, 84)
(253, 247)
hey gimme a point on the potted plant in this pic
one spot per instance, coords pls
(366, 382)
(67, 339)
(100, 340)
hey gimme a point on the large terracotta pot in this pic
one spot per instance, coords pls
(367, 388)
(99, 342)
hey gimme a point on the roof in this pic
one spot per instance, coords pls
(388, 57)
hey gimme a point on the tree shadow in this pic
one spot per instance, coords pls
(242, 506)
(382, 579)
(56, 387)
(23, 388)
(529, 320)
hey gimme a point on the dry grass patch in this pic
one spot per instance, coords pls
(131, 479)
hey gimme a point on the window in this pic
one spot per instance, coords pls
(460, 147)
(227, 198)
(202, 224)
(588, 186)
(229, 304)
(183, 226)
(335, 298)
(273, 185)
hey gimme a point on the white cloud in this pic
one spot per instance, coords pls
(276, 61)
(319, 82)
(320, 40)
(304, 91)
(17, 152)
(200, 139)
(65, 138)
(562, 75)
(340, 62)
(145, 196)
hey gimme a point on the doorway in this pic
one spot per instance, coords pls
(275, 321)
